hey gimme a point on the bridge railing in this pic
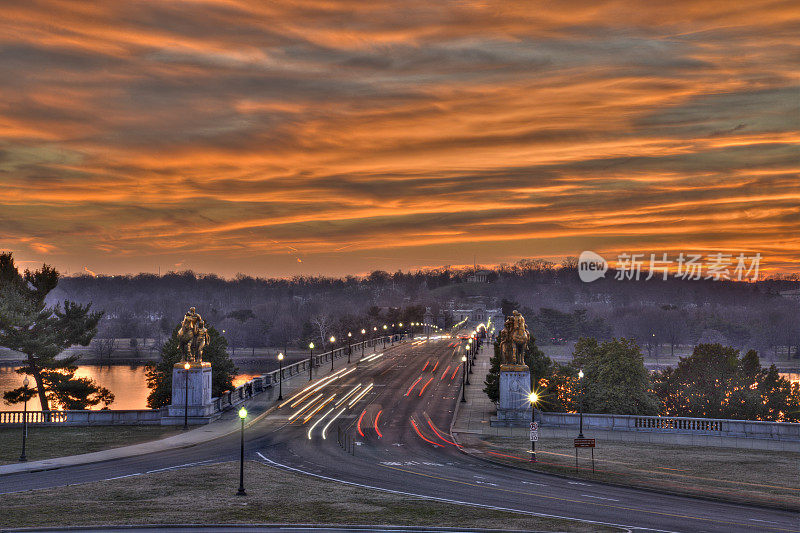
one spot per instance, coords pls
(752, 429)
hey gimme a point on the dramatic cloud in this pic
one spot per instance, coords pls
(338, 137)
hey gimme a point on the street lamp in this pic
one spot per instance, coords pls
(186, 367)
(392, 334)
(400, 325)
(310, 359)
(332, 339)
(580, 402)
(349, 346)
(463, 376)
(241, 492)
(385, 327)
(533, 398)
(363, 340)
(280, 376)
(470, 350)
(25, 383)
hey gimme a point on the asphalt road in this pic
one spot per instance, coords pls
(400, 443)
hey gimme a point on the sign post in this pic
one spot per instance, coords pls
(584, 443)
(534, 432)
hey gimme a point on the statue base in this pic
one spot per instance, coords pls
(196, 381)
(514, 408)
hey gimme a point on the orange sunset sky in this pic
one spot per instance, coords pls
(298, 137)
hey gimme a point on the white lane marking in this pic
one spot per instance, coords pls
(599, 497)
(532, 483)
(578, 483)
(767, 521)
(121, 477)
(458, 502)
(177, 466)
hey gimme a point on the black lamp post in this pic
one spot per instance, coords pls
(332, 339)
(349, 346)
(463, 378)
(363, 340)
(24, 457)
(533, 399)
(186, 367)
(385, 327)
(310, 359)
(392, 334)
(280, 376)
(241, 492)
(580, 403)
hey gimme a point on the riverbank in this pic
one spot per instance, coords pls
(207, 495)
(50, 442)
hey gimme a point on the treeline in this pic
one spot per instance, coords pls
(260, 312)
(715, 381)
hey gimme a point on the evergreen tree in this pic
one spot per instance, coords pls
(714, 382)
(29, 326)
(159, 376)
(615, 379)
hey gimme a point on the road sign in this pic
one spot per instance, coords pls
(584, 443)
(534, 426)
(535, 435)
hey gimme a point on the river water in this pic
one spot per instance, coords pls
(129, 383)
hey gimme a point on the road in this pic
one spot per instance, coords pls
(400, 442)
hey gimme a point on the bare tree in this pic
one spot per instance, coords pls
(323, 323)
(103, 348)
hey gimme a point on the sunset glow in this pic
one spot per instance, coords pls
(340, 137)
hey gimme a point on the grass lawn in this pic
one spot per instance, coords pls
(744, 476)
(206, 495)
(49, 442)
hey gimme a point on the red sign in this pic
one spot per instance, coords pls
(584, 443)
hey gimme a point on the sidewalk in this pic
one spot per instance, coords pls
(258, 407)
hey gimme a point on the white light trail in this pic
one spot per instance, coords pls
(318, 421)
(325, 429)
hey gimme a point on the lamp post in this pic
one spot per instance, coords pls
(463, 378)
(349, 346)
(186, 368)
(332, 339)
(580, 402)
(470, 350)
(374, 341)
(385, 327)
(241, 492)
(400, 325)
(310, 359)
(280, 376)
(392, 334)
(363, 340)
(533, 397)
(24, 457)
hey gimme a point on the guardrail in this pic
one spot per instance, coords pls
(751, 429)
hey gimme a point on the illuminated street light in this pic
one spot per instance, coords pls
(241, 492)
(363, 340)
(349, 346)
(186, 396)
(280, 376)
(332, 339)
(463, 376)
(533, 398)
(310, 359)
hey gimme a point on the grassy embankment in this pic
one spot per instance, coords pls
(206, 495)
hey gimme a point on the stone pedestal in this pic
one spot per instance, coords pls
(514, 408)
(197, 382)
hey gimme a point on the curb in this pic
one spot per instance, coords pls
(255, 527)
